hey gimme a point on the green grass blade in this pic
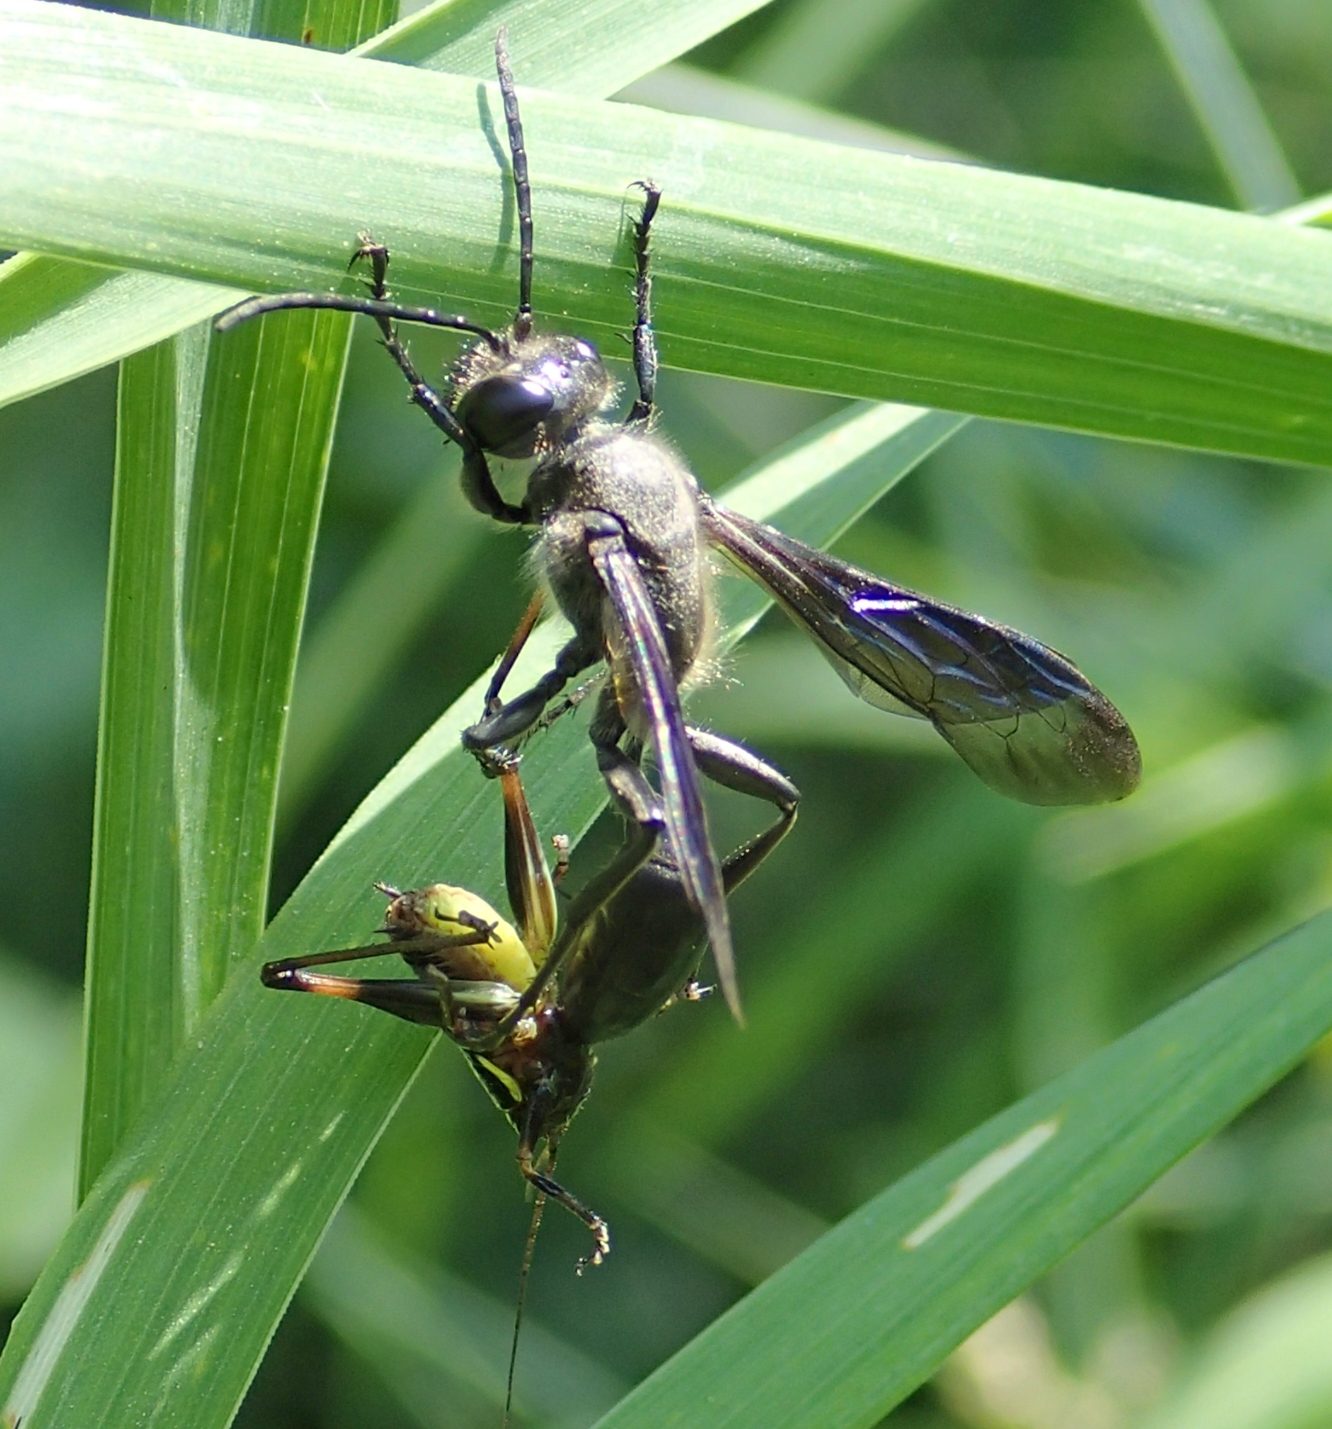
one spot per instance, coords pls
(813, 49)
(219, 477)
(847, 1331)
(1265, 1366)
(588, 47)
(378, 615)
(59, 319)
(211, 556)
(779, 259)
(1227, 110)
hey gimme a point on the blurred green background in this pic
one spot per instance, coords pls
(939, 951)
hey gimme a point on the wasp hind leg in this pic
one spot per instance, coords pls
(734, 767)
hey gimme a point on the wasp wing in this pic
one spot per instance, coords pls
(686, 817)
(1021, 715)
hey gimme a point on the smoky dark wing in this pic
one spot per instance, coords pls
(1022, 716)
(686, 817)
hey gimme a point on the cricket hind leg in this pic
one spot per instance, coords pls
(407, 998)
(426, 1001)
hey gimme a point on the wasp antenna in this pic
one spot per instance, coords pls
(645, 342)
(522, 187)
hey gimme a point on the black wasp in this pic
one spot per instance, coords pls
(472, 968)
(621, 531)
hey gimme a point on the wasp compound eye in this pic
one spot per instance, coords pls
(504, 414)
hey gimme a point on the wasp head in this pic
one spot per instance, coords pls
(519, 398)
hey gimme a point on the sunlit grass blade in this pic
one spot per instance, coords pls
(59, 319)
(211, 553)
(785, 260)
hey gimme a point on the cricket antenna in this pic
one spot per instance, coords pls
(522, 187)
(524, 1275)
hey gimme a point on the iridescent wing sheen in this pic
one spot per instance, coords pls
(1021, 715)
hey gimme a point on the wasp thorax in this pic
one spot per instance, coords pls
(517, 399)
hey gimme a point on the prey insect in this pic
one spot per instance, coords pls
(622, 532)
(629, 944)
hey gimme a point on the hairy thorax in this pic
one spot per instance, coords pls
(639, 479)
